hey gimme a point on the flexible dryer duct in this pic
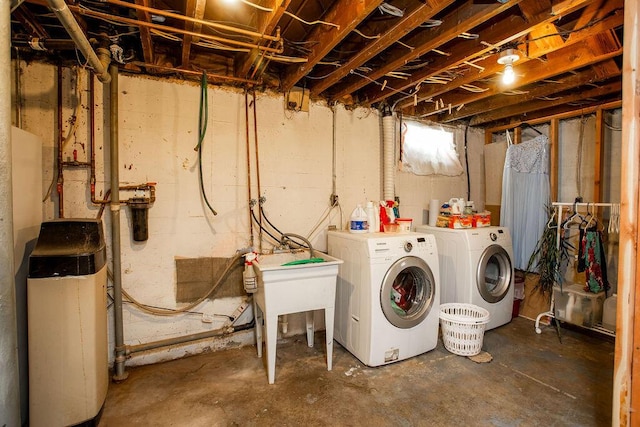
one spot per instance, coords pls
(388, 156)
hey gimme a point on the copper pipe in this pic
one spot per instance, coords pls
(195, 73)
(106, 16)
(60, 182)
(194, 20)
(246, 117)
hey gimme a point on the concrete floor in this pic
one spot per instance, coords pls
(532, 380)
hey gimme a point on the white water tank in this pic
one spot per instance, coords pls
(67, 314)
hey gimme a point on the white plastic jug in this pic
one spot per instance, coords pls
(457, 206)
(359, 223)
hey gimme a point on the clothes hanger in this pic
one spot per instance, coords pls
(567, 222)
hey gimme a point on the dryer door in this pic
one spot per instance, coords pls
(494, 273)
(407, 292)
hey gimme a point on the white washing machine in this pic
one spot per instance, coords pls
(387, 296)
(476, 267)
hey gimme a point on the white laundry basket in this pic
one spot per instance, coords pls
(463, 327)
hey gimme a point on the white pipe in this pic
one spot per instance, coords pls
(59, 7)
(9, 377)
(388, 157)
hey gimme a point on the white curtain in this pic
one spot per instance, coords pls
(525, 195)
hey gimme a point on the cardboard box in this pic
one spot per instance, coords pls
(461, 221)
(482, 219)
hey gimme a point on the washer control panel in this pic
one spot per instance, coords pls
(408, 247)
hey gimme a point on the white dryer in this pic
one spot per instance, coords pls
(387, 296)
(476, 267)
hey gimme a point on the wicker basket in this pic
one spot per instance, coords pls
(463, 328)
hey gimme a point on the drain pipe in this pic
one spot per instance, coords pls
(120, 349)
(9, 380)
(100, 61)
(388, 158)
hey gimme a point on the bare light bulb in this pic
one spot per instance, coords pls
(508, 76)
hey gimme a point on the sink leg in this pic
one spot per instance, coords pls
(271, 324)
(257, 314)
(310, 328)
(328, 321)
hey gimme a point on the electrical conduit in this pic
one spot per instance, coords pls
(99, 64)
(388, 156)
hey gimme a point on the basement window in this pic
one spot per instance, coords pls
(428, 150)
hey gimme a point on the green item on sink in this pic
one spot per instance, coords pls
(304, 261)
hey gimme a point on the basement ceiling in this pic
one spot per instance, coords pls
(434, 59)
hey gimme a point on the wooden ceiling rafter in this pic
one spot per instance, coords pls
(462, 19)
(488, 41)
(267, 24)
(410, 21)
(491, 67)
(347, 14)
(195, 9)
(500, 106)
(570, 58)
(146, 41)
(539, 104)
(27, 19)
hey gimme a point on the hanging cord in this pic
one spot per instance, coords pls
(202, 131)
(579, 161)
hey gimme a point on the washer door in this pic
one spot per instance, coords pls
(494, 273)
(407, 292)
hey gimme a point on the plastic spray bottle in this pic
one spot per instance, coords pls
(249, 275)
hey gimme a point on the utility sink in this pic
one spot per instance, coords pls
(285, 289)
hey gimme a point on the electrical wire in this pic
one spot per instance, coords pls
(312, 22)
(257, 6)
(202, 131)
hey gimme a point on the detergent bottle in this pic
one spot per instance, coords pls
(358, 222)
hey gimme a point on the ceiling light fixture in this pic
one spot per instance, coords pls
(507, 58)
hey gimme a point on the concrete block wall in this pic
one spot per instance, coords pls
(158, 121)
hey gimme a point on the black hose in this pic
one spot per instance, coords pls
(253, 215)
(269, 222)
(202, 131)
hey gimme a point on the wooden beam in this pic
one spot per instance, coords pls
(460, 20)
(29, 22)
(573, 112)
(195, 9)
(490, 66)
(501, 106)
(267, 23)
(626, 386)
(567, 59)
(145, 34)
(347, 14)
(527, 106)
(404, 26)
